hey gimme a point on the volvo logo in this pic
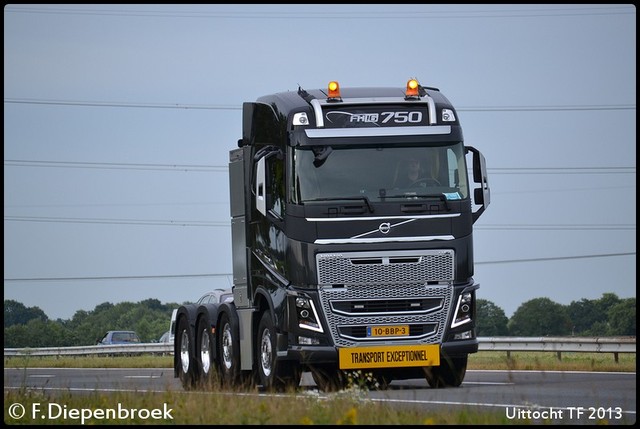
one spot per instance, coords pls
(384, 228)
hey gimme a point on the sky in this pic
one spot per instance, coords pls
(118, 121)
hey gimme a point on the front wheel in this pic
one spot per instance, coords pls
(273, 374)
(450, 373)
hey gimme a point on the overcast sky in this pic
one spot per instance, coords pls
(118, 121)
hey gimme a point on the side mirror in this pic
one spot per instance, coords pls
(478, 196)
(481, 195)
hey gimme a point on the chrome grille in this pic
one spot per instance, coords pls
(393, 267)
(353, 285)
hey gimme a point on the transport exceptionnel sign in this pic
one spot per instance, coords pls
(389, 356)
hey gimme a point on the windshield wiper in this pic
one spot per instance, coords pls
(362, 198)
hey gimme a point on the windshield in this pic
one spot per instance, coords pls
(378, 173)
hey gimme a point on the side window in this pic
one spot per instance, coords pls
(276, 186)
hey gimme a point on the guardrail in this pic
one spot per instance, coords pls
(613, 345)
(107, 350)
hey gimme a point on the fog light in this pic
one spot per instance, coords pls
(306, 341)
(466, 335)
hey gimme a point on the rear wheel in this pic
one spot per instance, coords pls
(273, 374)
(228, 349)
(185, 354)
(450, 373)
(206, 362)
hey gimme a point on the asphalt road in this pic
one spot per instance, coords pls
(524, 396)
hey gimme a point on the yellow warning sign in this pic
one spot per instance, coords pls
(389, 356)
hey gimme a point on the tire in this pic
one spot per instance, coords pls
(273, 374)
(450, 373)
(187, 371)
(229, 352)
(328, 378)
(207, 365)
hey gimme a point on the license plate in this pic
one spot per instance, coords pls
(388, 331)
(389, 356)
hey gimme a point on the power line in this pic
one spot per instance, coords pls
(113, 165)
(548, 108)
(120, 104)
(115, 221)
(386, 15)
(221, 168)
(505, 227)
(151, 277)
(178, 276)
(562, 170)
(137, 204)
(557, 258)
(558, 227)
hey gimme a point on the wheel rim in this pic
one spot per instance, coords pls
(205, 348)
(266, 352)
(184, 351)
(227, 348)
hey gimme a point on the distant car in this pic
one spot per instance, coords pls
(166, 338)
(214, 296)
(119, 337)
(172, 326)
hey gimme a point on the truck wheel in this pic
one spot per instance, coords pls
(228, 350)
(206, 362)
(450, 373)
(273, 374)
(328, 378)
(184, 354)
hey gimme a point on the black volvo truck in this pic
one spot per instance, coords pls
(352, 225)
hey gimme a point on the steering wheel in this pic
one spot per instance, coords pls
(424, 182)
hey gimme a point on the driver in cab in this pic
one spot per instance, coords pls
(412, 175)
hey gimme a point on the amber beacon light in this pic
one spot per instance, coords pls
(412, 88)
(334, 90)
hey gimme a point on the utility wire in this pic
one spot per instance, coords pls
(221, 168)
(333, 14)
(113, 165)
(239, 107)
(57, 279)
(177, 276)
(116, 221)
(120, 104)
(504, 227)
(557, 258)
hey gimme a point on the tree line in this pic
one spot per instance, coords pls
(30, 326)
(607, 316)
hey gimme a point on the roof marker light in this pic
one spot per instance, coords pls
(334, 91)
(413, 89)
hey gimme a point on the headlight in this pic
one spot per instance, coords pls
(462, 314)
(307, 315)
